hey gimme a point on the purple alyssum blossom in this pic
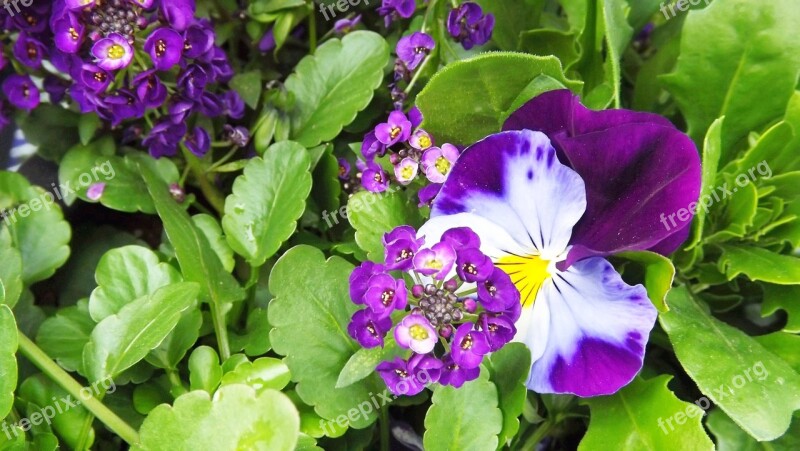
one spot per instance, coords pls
(95, 78)
(198, 142)
(406, 170)
(385, 295)
(396, 129)
(368, 329)
(468, 25)
(238, 135)
(374, 179)
(165, 47)
(420, 139)
(21, 92)
(113, 52)
(416, 333)
(29, 51)
(344, 26)
(456, 375)
(344, 169)
(401, 244)
(437, 162)
(436, 261)
(150, 90)
(413, 49)
(469, 346)
(394, 9)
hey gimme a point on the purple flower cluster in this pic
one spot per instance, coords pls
(468, 25)
(124, 60)
(458, 308)
(411, 151)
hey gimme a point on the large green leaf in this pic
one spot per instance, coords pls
(199, 263)
(759, 264)
(730, 437)
(125, 274)
(470, 99)
(122, 340)
(236, 418)
(758, 390)
(8, 358)
(267, 200)
(373, 215)
(645, 415)
(334, 84)
(64, 335)
(11, 269)
(309, 316)
(36, 226)
(712, 149)
(512, 17)
(786, 298)
(264, 374)
(745, 75)
(466, 418)
(509, 368)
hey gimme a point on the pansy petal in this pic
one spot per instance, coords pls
(515, 180)
(598, 328)
(636, 166)
(496, 243)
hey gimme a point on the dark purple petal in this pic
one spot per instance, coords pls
(469, 346)
(472, 265)
(21, 92)
(498, 293)
(165, 47)
(455, 375)
(359, 280)
(179, 14)
(233, 104)
(198, 142)
(192, 81)
(150, 90)
(385, 295)
(368, 330)
(462, 238)
(428, 194)
(198, 40)
(29, 51)
(374, 179)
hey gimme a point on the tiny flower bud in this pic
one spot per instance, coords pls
(394, 159)
(177, 193)
(470, 305)
(417, 291)
(451, 285)
(446, 331)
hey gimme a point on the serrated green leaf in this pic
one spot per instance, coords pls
(254, 421)
(267, 200)
(659, 274)
(265, 373)
(759, 264)
(212, 229)
(122, 340)
(512, 17)
(509, 369)
(8, 359)
(786, 298)
(334, 84)
(712, 149)
(10, 270)
(485, 88)
(645, 415)
(466, 418)
(758, 390)
(730, 437)
(727, 76)
(64, 335)
(372, 215)
(309, 316)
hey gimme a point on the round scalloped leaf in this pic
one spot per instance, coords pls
(8, 358)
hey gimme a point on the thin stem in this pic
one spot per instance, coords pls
(223, 160)
(211, 193)
(42, 361)
(467, 293)
(176, 382)
(538, 435)
(384, 428)
(420, 70)
(221, 331)
(312, 28)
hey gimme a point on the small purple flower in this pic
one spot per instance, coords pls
(437, 162)
(420, 139)
(233, 104)
(472, 265)
(406, 171)
(428, 194)
(198, 40)
(469, 346)
(165, 47)
(498, 328)
(21, 92)
(436, 261)
(164, 138)
(416, 333)
(415, 116)
(77, 5)
(456, 375)
(392, 9)
(150, 90)
(123, 104)
(344, 169)
(498, 293)
(198, 142)
(359, 280)
(68, 33)
(267, 42)
(95, 191)
(192, 81)
(144, 4)
(344, 26)
(414, 48)
(29, 51)
(56, 88)
(461, 238)
(179, 14)
(409, 378)
(371, 147)
(467, 25)
(113, 52)
(180, 109)
(401, 246)
(385, 295)
(211, 104)
(396, 129)
(374, 179)
(367, 329)
(239, 136)
(94, 78)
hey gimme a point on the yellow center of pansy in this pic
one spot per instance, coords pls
(418, 332)
(528, 274)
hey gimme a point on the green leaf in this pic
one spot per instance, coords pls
(645, 415)
(658, 277)
(8, 358)
(486, 86)
(212, 229)
(87, 127)
(509, 368)
(548, 41)
(362, 364)
(758, 390)
(712, 149)
(266, 202)
(787, 298)
(205, 372)
(309, 316)
(36, 227)
(255, 341)
(736, 215)
(465, 418)
(199, 263)
(728, 76)
(64, 335)
(512, 17)
(730, 437)
(265, 373)
(334, 84)
(10, 270)
(759, 264)
(783, 345)
(373, 215)
(173, 349)
(618, 36)
(125, 274)
(249, 86)
(122, 340)
(235, 418)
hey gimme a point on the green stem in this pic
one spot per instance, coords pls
(420, 70)
(224, 159)
(538, 435)
(83, 440)
(384, 428)
(312, 28)
(176, 382)
(221, 331)
(42, 361)
(211, 193)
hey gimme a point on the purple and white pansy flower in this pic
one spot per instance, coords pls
(560, 189)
